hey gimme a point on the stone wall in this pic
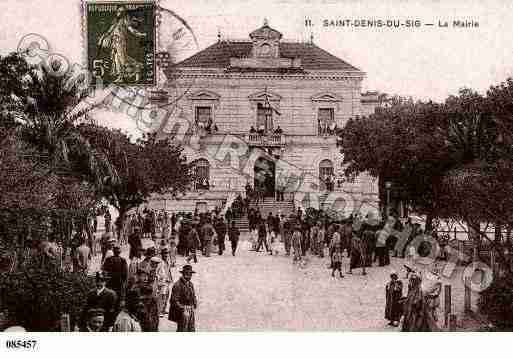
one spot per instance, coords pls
(233, 98)
(234, 112)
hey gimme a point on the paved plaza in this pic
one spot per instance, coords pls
(258, 292)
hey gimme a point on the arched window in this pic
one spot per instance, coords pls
(201, 173)
(326, 175)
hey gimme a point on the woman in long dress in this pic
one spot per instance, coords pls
(417, 315)
(296, 243)
(393, 306)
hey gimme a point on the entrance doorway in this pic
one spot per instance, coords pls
(265, 171)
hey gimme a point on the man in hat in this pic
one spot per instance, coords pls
(134, 240)
(134, 264)
(117, 268)
(287, 234)
(141, 279)
(165, 280)
(262, 236)
(208, 233)
(95, 320)
(150, 314)
(183, 302)
(156, 270)
(101, 297)
(393, 304)
(192, 244)
(221, 233)
(109, 249)
(233, 235)
(146, 262)
(105, 242)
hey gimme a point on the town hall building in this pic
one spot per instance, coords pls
(265, 112)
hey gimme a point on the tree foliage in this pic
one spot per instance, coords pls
(144, 167)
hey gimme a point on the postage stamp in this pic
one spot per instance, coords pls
(121, 42)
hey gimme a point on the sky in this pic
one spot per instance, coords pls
(426, 62)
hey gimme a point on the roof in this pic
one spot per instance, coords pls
(265, 32)
(312, 57)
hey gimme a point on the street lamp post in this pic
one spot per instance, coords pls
(388, 186)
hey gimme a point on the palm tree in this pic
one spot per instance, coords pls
(48, 110)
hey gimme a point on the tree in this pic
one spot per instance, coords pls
(397, 144)
(40, 113)
(148, 166)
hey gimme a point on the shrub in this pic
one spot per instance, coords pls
(35, 297)
(497, 303)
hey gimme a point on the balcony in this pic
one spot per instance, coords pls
(271, 140)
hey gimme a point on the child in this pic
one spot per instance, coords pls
(172, 253)
(336, 260)
(253, 239)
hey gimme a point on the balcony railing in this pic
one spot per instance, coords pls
(264, 140)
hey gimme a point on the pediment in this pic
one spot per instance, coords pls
(204, 95)
(261, 95)
(326, 97)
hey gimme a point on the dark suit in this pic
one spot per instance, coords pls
(106, 300)
(118, 270)
(182, 294)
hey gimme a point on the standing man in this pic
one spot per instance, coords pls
(296, 243)
(221, 233)
(192, 244)
(335, 241)
(104, 242)
(134, 264)
(183, 302)
(101, 297)
(117, 269)
(393, 304)
(233, 235)
(165, 280)
(82, 257)
(287, 234)
(208, 237)
(262, 236)
(107, 219)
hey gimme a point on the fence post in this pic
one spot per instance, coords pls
(453, 319)
(492, 261)
(448, 304)
(65, 323)
(467, 298)
(461, 251)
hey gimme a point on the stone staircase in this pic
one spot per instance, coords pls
(271, 205)
(242, 224)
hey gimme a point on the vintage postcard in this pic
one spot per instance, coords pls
(255, 166)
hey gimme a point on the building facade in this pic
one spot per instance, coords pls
(265, 112)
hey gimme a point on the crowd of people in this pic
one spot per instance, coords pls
(366, 242)
(131, 295)
(262, 130)
(126, 302)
